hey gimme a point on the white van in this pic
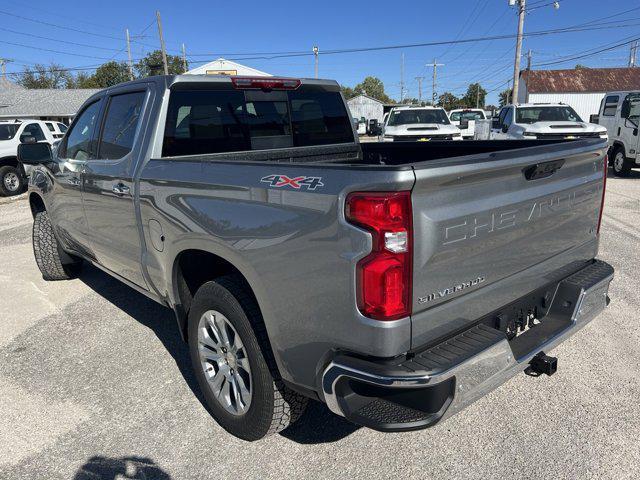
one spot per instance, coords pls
(419, 124)
(465, 120)
(620, 115)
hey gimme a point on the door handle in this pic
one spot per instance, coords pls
(75, 181)
(120, 189)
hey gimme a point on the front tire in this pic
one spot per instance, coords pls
(53, 262)
(234, 365)
(621, 166)
(11, 181)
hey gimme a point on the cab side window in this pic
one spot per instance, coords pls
(32, 130)
(610, 105)
(77, 145)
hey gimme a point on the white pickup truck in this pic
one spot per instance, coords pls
(620, 115)
(419, 124)
(12, 134)
(544, 121)
(465, 120)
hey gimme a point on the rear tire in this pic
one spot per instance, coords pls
(48, 253)
(11, 181)
(621, 166)
(267, 406)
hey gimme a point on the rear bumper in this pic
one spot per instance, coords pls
(418, 391)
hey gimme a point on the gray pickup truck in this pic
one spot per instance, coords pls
(397, 283)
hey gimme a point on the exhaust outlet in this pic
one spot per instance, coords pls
(542, 364)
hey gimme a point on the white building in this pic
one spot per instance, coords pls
(368, 107)
(227, 67)
(581, 88)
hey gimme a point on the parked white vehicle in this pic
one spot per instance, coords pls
(620, 115)
(542, 121)
(465, 120)
(12, 133)
(419, 124)
(57, 129)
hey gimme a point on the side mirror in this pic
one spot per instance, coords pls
(594, 119)
(464, 124)
(505, 128)
(34, 153)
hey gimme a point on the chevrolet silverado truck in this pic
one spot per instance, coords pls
(419, 124)
(396, 282)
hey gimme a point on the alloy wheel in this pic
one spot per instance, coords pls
(224, 361)
(11, 181)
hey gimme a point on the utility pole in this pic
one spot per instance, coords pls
(420, 79)
(162, 47)
(184, 59)
(529, 58)
(634, 52)
(434, 93)
(129, 55)
(516, 66)
(478, 96)
(401, 77)
(316, 50)
(3, 65)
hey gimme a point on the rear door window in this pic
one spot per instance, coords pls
(50, 126)
(210, 121)
(33, 130)
(120, 125)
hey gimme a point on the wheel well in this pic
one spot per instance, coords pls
(192, 269)
(36, 203)
(11, 161)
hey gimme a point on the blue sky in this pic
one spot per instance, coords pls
(230, 29)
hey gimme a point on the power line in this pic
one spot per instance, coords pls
(585, 55)
(58, 40)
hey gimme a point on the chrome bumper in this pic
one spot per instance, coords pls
(577, 300)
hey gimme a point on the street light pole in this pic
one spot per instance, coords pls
(516, 66)
(316, 50)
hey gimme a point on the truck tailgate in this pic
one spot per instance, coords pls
(483, 218)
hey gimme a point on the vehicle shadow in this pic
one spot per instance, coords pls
(632, 174)
(317, 425)
(106, 468)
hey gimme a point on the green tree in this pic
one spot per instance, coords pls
(475, 96)
(448, 101)
(348, 92)
(581, 67)
(373, 87)
(81, 80)
(505, 97)
(43, 76)
(151, 65)
(111, 73)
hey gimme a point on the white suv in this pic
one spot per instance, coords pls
(12, 133)
(542, 121)
(419, 124)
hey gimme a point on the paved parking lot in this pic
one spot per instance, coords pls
(95, 383)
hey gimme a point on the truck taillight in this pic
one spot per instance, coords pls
(384, 277)
(604, 188)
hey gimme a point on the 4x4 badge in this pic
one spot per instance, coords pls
(279, 181)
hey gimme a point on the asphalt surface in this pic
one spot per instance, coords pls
(95, 383)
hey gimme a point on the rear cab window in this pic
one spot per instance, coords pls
(229, 120)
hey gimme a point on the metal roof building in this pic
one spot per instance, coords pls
(581, 88)
(368, 107)
(43, 104)
(226, 67)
